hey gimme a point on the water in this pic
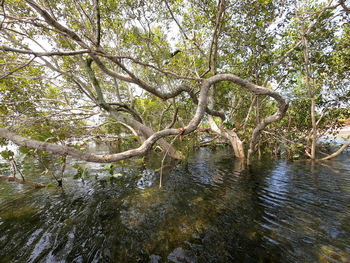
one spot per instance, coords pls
(210, 210)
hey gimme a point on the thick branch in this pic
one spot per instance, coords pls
(53, 22)
(12, 178)
(337, 152)
(42, 54)
(147, 145)
(98, 23)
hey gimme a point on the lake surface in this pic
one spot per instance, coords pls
(208, 210)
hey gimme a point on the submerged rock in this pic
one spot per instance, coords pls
(179, 255)
(154, 259)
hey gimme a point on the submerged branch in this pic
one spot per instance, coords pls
(12, 178)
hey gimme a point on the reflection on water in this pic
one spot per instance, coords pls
(209, 210)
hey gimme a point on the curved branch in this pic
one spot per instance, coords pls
(12, 178)
(337, 152)
(170, 125)
(90, 157)
(147, 145)
(258, 90)
(53, 22)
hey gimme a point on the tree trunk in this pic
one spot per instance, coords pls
(310, 93)
(230, 135)
(314, 128)
(147, 132)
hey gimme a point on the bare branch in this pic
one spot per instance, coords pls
(42, 54)
(216, 33)
(17, 69)
(181, 29)
(98, 23)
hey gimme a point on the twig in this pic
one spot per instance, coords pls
(15, 168)
(17, 69)
(2, 5)
(62, 170)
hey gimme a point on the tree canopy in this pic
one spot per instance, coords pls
(161, 70)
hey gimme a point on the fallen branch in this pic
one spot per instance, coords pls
(12, 178)
(337, 152)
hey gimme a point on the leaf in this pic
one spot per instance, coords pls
(7, 154)
(24, 149)
(296, 156)
(117, 175)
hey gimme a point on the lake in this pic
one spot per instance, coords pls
(210, 209)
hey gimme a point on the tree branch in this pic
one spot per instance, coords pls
(337, 152)
(17, 69)
(46, 54)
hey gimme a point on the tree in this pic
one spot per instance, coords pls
(156, 69)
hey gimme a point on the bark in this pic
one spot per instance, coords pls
(230, 135)
(147, 132)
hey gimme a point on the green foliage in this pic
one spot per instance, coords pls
(80, 171)
(117, 175)
(7, 154)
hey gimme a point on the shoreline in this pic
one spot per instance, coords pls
(343, 132)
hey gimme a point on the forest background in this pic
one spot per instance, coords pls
(269, 77)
